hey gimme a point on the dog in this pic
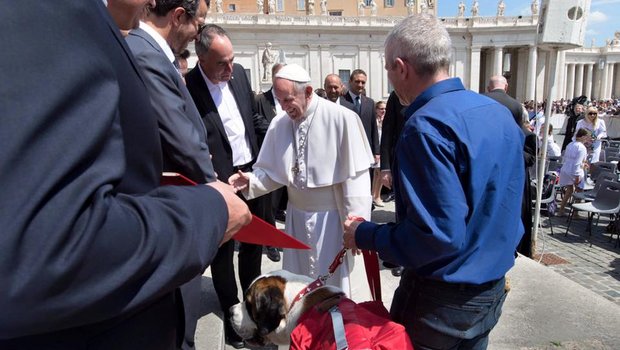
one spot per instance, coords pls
(276, 303)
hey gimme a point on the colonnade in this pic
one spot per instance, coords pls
(600, 80)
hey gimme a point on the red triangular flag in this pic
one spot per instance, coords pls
(256, 232)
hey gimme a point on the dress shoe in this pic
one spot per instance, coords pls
(389, 265)
(378, 203)
(273, 254)
(397, 271)
(281, 215)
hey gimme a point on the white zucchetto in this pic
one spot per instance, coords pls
(294, 72)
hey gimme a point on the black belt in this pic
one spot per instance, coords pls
(244, 168)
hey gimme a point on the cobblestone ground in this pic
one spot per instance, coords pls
(590, 260)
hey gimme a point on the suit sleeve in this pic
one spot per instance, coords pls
(73, 250)
(181, 142)
(387, 133)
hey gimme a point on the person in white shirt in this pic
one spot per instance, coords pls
(572, 174)
(597, 129)
(553, 149)
(319, 151)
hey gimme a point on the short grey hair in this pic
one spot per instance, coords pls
(300, 87)
(422, 41)
(208, 33)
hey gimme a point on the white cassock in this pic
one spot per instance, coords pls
(330, 181)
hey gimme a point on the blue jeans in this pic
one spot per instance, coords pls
(440, 315)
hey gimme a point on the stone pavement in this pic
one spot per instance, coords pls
(572, 304)
(593, 261)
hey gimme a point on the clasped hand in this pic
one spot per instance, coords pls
(239, 181)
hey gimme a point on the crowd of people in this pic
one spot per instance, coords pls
(96, 254)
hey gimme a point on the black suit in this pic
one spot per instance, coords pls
(393, 124)
(369, 120)
(92, 250)
(249, 254)
(514, 106)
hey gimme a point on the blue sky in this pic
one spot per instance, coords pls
(603, 21)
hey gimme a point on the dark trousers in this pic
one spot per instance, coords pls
(223, 270)
(440, 315)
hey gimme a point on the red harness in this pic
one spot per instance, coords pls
(353, 326)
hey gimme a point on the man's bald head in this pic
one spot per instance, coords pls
(497, 82)
(333, 87)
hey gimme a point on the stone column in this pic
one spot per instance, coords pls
(588, 90)
(579, 80)
(617, 82)
(610, 80)
(498, 61)
(530, 90)
(570, 82)
(604, 81)
(474, 69)
(561, 75)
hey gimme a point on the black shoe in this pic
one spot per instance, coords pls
(389, 265)
(273, 254)
(281, 215)
(231, 337)
(389, 198)
(397, 271)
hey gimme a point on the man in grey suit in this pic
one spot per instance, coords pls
(92, 249)
(165, 31)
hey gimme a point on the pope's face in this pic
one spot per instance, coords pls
(295, 103)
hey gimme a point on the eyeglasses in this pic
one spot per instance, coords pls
(593, 113)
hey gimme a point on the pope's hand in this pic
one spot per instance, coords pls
(239, 181)
(238, 212)
(350, 225)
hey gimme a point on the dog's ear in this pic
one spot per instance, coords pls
(270, 309)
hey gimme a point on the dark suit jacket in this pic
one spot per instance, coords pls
(369, 120)
(513, 105)
(266, 104)
(217, 139)
(393, 124)
(91, 248)
(183, 135)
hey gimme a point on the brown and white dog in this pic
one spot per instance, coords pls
(266, 315)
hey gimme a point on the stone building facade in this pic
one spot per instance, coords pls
(483, 46)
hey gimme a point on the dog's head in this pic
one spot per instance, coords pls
(265, 316)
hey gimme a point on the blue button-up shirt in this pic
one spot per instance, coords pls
(458, 179)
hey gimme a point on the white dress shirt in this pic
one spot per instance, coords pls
(232, 120)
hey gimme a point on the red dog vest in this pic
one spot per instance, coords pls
(367, 326)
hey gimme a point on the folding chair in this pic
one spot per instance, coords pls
(607, 201)
(550, 188)
(591, 194)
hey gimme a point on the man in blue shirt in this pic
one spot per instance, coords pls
(458, 178)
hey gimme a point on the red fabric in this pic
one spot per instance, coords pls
(367, 326)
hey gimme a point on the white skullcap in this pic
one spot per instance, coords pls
(294, 72)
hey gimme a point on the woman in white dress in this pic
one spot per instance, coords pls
(376, 180)
(572, 173)
(597, 129)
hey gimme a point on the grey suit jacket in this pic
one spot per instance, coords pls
(183, 134)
